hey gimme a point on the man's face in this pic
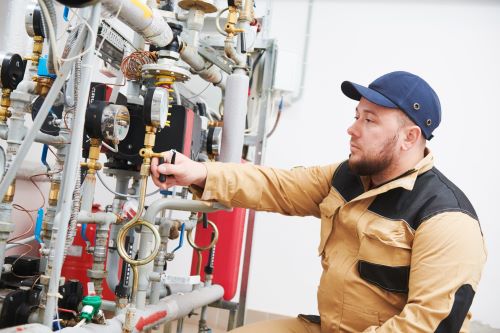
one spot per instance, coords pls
(375, 138)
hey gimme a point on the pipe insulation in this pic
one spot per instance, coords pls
(235, 111)
(206, 71)
(168, 309)
(181, 204)
(142, 19)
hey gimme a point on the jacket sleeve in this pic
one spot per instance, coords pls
(291, 192)
(447, 258)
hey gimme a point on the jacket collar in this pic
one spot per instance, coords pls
(406, 180)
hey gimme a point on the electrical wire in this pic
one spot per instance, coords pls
(91, 47)
(122, 194)
(201, 92)
(52, 34)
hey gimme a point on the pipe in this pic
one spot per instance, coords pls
(204, 69)
(183, 205)
(37, 123)
(113, 258)
(145, 21)
(99, 218)
(170, 308)
(64, 206)
(235, 111)
(305, 53)
(20, 242)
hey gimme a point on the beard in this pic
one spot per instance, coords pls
(372, 164)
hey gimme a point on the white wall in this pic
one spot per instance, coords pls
(455, 46)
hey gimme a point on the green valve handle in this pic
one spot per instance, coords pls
(91, 304)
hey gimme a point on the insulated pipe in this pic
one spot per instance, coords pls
(139, 17)
(69, 175)
(204, 69)
(97, 218)
(20, 242)
(183, 205)
(170, 308)
(145, 249)
(235, 111)
(113, 258)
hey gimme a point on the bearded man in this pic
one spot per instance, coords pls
(401, 245)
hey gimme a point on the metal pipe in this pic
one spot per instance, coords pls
(204, 69)
(235, 111)
(105, 218)
(69, 175)
(170, 308)
(145, 21)
(37, 123)
(183, 205)
(20, 242)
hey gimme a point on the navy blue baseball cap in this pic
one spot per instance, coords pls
(405, 91)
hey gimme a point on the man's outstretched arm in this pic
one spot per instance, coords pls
(292, 192)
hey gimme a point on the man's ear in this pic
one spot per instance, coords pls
(412, 136)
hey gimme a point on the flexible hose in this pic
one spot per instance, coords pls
(53, 18)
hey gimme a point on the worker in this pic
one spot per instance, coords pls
(401, 245)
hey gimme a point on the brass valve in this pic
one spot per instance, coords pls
(9, 196)
(232, 20)
(4, 105)
(37, 50)
(43, 85)
(93, 163)
(147, 152)
(55, 186)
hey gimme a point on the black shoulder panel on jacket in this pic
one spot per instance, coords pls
(432, 194)
(346, 183)
(461, 305)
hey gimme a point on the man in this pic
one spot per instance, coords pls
(401, 246)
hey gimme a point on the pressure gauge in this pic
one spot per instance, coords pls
(156, 107)
(107, 121)
(33, 21)
(11, 70)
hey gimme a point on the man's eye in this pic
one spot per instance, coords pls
(356, 117)
(368, 120)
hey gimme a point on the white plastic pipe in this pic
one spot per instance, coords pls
(235, 111)
(69, 176)
(212, 74)
(181, 204)
(142, 19)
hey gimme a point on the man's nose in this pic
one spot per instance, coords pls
(352, 130)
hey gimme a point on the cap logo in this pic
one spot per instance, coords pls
(416, 106)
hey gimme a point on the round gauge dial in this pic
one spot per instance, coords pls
(156, 106)
(115, 122)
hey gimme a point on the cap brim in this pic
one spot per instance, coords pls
(356, 91)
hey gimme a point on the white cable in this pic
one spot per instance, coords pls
(52, 35)
(91, 47)
(122, 194)
(114, 150)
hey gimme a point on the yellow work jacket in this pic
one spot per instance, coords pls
(405, 256)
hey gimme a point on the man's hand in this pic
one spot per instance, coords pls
(183, 172)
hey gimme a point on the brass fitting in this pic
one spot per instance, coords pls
(147, 152)
(93, 163)
(215, 124)
(9, 196)
(4, 105)
(37, 50)
(232, 19)
(55, 186)
(43, 85)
